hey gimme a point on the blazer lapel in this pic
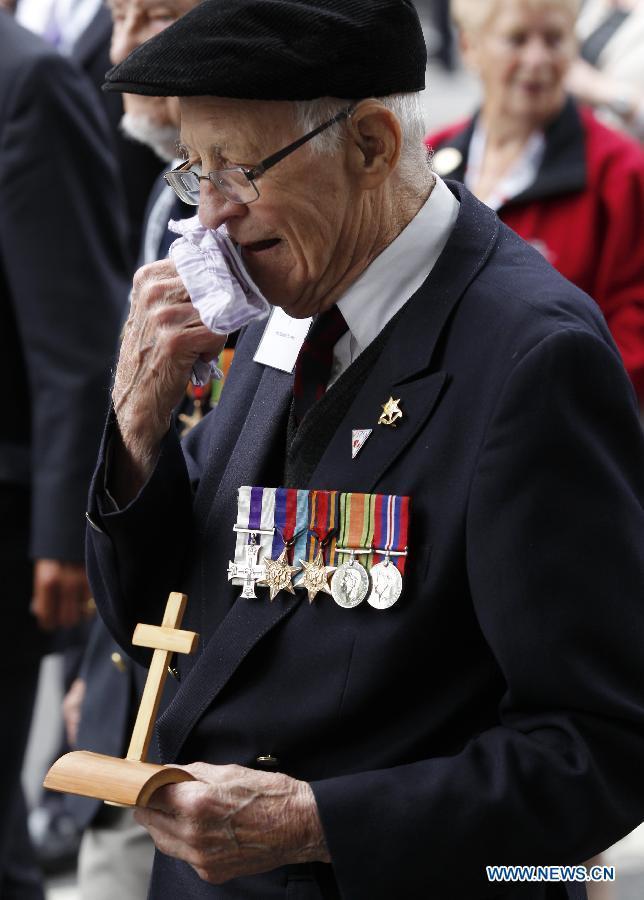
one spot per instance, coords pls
(243, 627)
(404, 369)
(245, 623)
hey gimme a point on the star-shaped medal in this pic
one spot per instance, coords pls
(278, 575)
(390, 412)
(316, 576)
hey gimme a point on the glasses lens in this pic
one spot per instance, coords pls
(234, 185)
(185, 185)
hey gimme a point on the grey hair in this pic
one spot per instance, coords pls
(407, 108)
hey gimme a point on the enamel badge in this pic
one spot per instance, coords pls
(358, 440)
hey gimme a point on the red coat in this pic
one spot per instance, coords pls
(584, 212)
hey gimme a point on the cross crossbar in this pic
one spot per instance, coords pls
(158, 637)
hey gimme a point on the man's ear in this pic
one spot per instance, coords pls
(374, 143)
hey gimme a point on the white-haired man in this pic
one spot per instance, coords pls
(452, 381)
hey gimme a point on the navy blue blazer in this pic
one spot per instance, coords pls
(63, 288)
(495, 714)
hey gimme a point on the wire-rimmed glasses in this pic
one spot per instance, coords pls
(237, 184)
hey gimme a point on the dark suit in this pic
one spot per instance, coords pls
(62, 291)
(496, 712)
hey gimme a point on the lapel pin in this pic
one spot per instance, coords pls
(390, 412)
(358, 440)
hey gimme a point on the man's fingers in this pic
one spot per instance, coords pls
(213, 774)
(162, 291)
(181, 799)
(162, 268)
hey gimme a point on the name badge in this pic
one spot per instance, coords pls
(281, 341)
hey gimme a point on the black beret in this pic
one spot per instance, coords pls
(281, 50)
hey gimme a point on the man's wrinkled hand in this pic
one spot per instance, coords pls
(235, 821)
(162, 339)
(60, 593)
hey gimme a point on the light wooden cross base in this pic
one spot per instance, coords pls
(124, 782)
(132, 781)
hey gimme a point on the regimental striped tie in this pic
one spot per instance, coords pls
(314, 361)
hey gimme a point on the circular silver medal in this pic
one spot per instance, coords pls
(350, 584)
(386, 585)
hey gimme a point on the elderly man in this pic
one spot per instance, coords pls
(498, 705)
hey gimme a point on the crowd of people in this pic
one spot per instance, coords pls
(476, 358)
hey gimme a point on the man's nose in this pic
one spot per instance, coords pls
(126, 37)
(536, 52)
(215, 209)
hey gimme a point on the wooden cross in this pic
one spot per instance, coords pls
(164, 639)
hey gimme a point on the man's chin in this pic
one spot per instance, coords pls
(161, 138)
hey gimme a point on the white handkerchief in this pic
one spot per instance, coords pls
(221, 290)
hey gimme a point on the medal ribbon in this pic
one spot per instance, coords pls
(291, 521)
(391, 528)
(255, 510)
(323, 521)
(356, 527)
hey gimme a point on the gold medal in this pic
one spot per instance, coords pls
(278, 575)
(390, 412)
(316, 576)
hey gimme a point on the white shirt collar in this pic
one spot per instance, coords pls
(395, 275)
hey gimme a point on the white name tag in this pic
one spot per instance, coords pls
(281, 341)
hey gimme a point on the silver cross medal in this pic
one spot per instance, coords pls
(250, 571)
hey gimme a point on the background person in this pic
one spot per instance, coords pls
(609, 72)
(564, 182)
(63, 289)
(82, 31)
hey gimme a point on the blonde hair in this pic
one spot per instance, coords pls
(472, 15)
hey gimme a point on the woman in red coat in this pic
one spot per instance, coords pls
(568, 185)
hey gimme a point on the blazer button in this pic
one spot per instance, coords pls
(268, 760)
(119, 662)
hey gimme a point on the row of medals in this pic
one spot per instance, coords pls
(350, 582)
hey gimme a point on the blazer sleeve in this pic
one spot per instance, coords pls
(139, 550)
(61, 233)
(555, 563)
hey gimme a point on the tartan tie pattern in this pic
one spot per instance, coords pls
(314, 361)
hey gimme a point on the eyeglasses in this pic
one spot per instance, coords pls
(237, 184)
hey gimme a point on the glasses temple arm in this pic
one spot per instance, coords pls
(270, 161)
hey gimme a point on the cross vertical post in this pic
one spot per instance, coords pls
(165, 640)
